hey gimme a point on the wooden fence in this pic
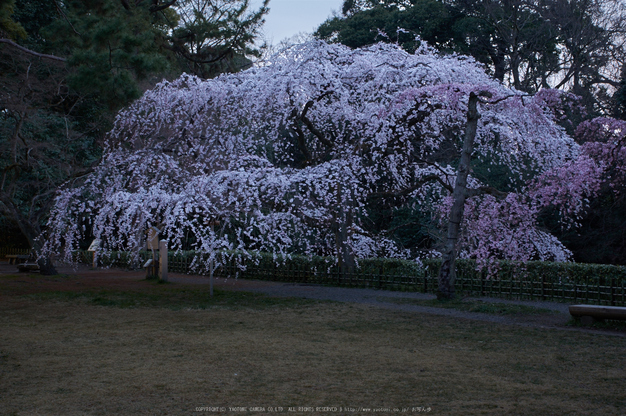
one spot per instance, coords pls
(589, 286)
(6, 251)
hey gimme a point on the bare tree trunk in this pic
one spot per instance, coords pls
(30, 229)
(499, 64)
(447, 274)
(46, 266)
(346, 261)
(345, 256)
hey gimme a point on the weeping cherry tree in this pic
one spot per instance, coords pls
(294, 156)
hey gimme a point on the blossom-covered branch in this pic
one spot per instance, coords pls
(305, 153)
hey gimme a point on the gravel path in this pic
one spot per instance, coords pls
(380, 298)
(400, 301)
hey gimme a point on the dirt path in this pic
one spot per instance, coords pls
(122, 279)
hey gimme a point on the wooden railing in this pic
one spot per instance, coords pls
(602, 285)
(9, 251)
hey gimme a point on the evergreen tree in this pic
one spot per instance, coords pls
(8, 26)
(366, 23)
(67, 67)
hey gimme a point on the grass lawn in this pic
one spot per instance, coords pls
(473, 305)
(153, 348)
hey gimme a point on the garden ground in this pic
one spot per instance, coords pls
(110, 342)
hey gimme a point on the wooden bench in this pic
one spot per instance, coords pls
(17, 258)
(588, 314)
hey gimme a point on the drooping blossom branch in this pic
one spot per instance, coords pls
(292, 157)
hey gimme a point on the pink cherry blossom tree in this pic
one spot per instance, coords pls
(289, 156)
(601, 235)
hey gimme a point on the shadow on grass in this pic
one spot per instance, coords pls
(171, 296)
(608, 324)
(472, 305)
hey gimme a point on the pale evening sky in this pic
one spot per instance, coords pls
(290, 17)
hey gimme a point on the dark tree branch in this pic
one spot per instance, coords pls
(5, 172)
(62, 13)
(156, 7)
(310, 125)
(302, 142)
(31, 52)
(316, 132)
(414, 187)
(486, 190)
(178, 48)
(436, 166)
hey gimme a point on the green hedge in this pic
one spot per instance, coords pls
(554, 272)
(597, 283)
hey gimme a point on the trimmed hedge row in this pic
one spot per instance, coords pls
(596, 283)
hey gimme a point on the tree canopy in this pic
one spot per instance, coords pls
(301, 155)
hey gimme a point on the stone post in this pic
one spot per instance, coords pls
(163, 260)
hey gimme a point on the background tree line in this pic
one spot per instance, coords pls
(577, 45)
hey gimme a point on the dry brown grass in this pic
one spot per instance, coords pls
(67, 355)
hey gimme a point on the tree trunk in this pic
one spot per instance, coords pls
(346, 259)
(447, 274)
(499, 64)
(345, 256)
(31, 230)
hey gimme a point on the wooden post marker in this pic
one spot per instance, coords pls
(211, 270)
(93, 247)
(152, 238)
(152, 243)
(163, 260)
